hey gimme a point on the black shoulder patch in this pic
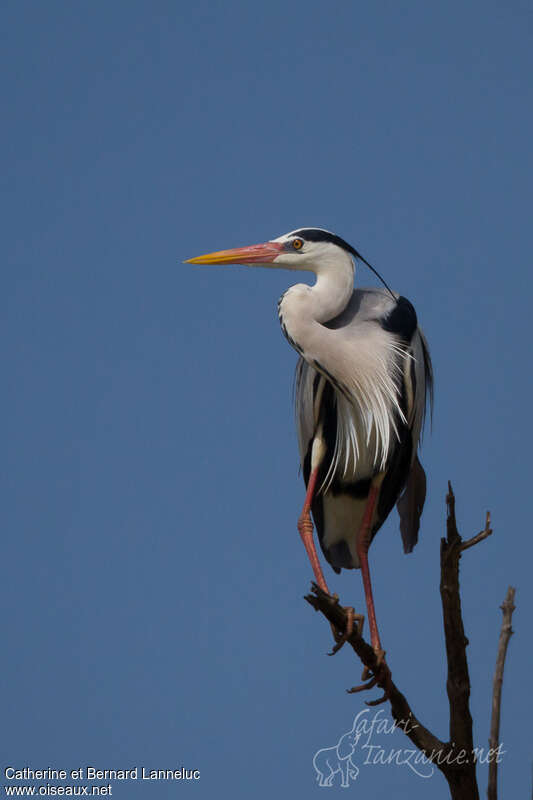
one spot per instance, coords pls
(401, 320)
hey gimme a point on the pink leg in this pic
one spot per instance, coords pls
(305, 527)
(363, 543)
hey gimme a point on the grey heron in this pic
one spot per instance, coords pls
(362, 382)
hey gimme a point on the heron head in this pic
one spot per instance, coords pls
(312, 249)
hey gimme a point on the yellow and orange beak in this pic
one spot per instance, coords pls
(254, 254)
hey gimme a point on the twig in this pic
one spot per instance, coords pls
(505, 634)
(487, 530)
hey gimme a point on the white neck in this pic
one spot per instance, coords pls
(332, 291)
(303, 305)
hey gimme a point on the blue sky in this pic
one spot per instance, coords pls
(153, 575)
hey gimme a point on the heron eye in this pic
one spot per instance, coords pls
(297, 244)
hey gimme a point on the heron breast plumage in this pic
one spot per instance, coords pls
(371, 425)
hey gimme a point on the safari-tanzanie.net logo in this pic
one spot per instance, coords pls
(364, 746)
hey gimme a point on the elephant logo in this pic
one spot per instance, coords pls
(330, 760)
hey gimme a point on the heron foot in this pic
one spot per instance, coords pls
(381, 676)
(351, 618)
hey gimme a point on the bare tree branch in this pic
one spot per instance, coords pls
(505, 634)
(456, 758)
(458, 682)
(487, 530)
(400, 708)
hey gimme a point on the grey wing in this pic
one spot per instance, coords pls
(423, 384)
(304, 406)
(407, 474)
(411, 502)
